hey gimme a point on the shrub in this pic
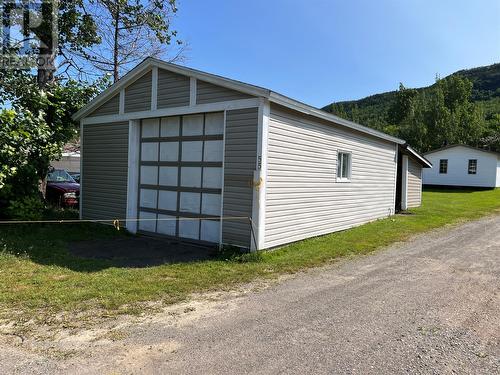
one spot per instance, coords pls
(26, 208)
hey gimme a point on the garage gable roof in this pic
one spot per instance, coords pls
(246, 88)
(406, 149)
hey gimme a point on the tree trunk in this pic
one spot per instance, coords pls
(47, 51)
(46, 68)
(116, 44)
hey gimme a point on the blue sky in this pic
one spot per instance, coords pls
(319, 51)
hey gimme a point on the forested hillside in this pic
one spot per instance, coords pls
(375, 110)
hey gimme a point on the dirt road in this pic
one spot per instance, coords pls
(431, 305)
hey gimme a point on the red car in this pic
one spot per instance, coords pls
(62, 189)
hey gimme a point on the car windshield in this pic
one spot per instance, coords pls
(59, 175)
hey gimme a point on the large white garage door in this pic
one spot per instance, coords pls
(180, 179)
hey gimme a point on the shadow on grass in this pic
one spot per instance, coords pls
(88, 247)
(454, 189)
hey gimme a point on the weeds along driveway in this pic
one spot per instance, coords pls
(41, 281)
(430, 305)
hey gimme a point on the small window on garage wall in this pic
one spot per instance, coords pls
(344, 167)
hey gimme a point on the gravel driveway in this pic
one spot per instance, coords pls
(431, 305)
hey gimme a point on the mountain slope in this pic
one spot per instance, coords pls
(372, 110)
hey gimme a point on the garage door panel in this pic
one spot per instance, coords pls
(213, 151)
(212, 177)
(150, 128)
(149, 151)
(192, 151)
(210, 230)
(170, 126)
(190, 202)
(181, 176)
(191, 177)
(214, 123)
(167, 200)
(211, 204)
(169, 151)
(149, 175)
(168, 176)
(192, 125)
(147, 221)
(189, 229)
(148, 198)
(167, 225)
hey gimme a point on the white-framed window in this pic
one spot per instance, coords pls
(344, 166)
(472, 168)
(443, 166)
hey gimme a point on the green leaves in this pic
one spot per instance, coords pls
(33, 130)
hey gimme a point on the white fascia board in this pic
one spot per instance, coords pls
(264, 114)
(394, 190)
(417, 156)
(404, 183)
(154, 88)
(193, 88)
(121, 106)
(164, 112)
(133, 175)
(309, 110)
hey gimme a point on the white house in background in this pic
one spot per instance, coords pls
(69, 161)
(461, 165)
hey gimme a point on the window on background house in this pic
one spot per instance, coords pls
(443, 166)
(472, 166)
(343, 166)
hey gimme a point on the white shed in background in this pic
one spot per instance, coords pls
(461, 165)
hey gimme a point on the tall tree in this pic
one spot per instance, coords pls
(129, 31)
(443, 115)
(451, 116)
(406, 117)
(51, 30)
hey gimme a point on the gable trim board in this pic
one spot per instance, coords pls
(274, 150)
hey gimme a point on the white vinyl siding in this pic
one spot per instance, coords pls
(303, 198)
(458, 168)
(414, 184)
(497, 184)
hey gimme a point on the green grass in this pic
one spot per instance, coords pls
(39, 277)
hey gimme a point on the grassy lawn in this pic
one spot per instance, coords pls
(38, 276)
